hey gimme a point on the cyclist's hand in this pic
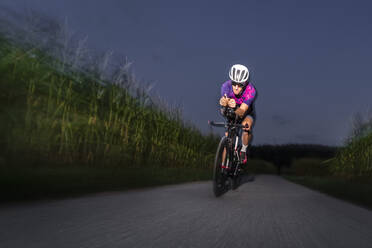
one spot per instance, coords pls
(232, 103)
(224, 100)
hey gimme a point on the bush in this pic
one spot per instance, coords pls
(259, 166)
(355, 159)
(309, 167)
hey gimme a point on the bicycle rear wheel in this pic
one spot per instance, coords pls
(219, 179)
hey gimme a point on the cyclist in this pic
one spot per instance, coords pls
(239, 94)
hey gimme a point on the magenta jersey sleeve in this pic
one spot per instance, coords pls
(246, 97)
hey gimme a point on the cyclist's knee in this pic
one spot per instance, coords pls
(248, 120)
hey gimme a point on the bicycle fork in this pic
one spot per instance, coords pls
(236, 155)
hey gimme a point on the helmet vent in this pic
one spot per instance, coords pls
(237, 75)
(242, 76)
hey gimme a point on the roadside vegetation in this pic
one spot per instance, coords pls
(347, 174)
(282, 156)
(259, 166)
(68, 124)
(49, 116)
(354, 160)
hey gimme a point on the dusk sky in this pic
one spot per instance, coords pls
(311, 61)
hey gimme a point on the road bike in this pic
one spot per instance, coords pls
(229, 176)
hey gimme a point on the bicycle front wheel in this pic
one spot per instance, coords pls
(219, 179)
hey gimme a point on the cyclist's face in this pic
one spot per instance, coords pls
(237, 88)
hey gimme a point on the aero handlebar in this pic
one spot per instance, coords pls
(225, 124)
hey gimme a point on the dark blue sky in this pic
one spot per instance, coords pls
(310, 61)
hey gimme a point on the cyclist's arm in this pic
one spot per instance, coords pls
(242, 110)
(249, 96)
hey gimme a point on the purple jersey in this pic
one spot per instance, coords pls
(247, 96)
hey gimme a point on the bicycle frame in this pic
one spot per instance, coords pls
(232, 140)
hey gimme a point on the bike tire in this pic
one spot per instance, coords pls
(236, 182)
(219, 179)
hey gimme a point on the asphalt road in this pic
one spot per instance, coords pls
(269, 212)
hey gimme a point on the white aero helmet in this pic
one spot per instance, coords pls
(239, 73)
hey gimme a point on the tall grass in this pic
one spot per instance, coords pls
(49, 116)
(355, 158)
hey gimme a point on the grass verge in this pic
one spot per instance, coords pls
(51, 183)
(259, 166)
(355, 191)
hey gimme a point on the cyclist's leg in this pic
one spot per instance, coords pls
(247, 135)
(223, 165)
(246, 138)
